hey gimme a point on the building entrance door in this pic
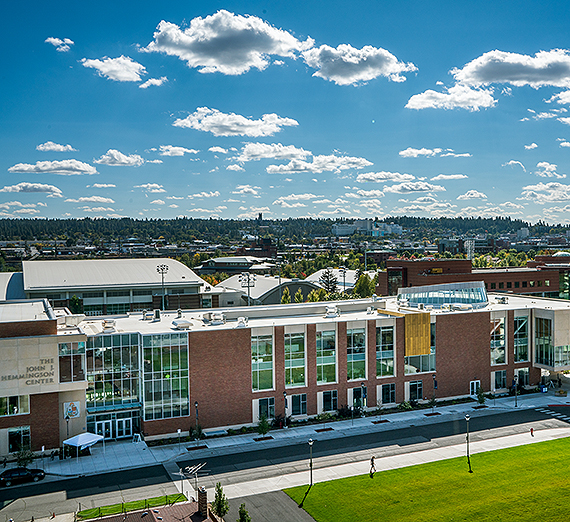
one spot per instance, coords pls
(104, 428)
(124, 428)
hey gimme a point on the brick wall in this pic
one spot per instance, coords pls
(28, 328)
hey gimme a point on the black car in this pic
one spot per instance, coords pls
(18, 475)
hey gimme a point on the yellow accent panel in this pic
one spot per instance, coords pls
(417, 333)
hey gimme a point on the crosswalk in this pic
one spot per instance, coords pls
(556, 414)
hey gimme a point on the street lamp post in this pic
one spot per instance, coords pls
(311, 441)
(467, 440)
(162, 270)
(247, 280)
(434, 388)
(196, 406)
(285, 409)
(178, 439)
(363, 396)
(516, 384)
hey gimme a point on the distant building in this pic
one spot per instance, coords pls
(474, 245)
(262, 248)
(235, 265)
(368, 227)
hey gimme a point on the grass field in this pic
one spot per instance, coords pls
(526, 483)
(124, 507)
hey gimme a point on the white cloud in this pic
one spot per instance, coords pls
(531, 146)
(235, 168)
(253, 212)
(171, 150)
(19, 204)
(173, 206)
(157, 202)
(90, 199)
(151, 187)
(153, 82)
(102, 185)
(457, 97)
(246, 189)
(286, 204)
(96, 209)
(566, 121)
(175, 197)
(275, 151)
(544, 68)
(60, 45)
(413, 186)
(122, 69)
(221, 124)
(548, 170)
(379, 177)
(226, 43)
(455, 155)
(414, 153)
(565, 144)
(374, 193)
(50, 146)
(561, 97)
(546, 192)
(296, 197)
(441, 177)
(204, 195)
(347, 65)
(153, 161)
(322, 163)
(472, 194)
(64, 168)
(512, 163)
(116, 158)
(219, 150)
(51, 190)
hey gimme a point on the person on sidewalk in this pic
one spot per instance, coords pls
(372, 466)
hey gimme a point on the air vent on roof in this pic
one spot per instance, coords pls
(157, 315)
(182, 324)
(73, 320)
(502, 300)
(108, 324)
(331, 311)
(179, 313)
(241, 322)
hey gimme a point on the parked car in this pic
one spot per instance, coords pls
(18, 475)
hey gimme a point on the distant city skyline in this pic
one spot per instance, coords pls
(293, 109)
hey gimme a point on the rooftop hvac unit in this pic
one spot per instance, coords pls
(502, 300)
(157, 315)
(74, 320)
(241, 322)
(331, 311)
(421, 306)
(446, 306)
(179, 315)
(369, 310)
(182, 324)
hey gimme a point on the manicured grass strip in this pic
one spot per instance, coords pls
(130, 506)
(525, 483)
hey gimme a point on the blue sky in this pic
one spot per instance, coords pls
(315, 108)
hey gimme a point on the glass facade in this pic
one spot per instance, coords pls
(165, 374)
(71, 361)
(384, 351)
(15, 405)
(500, 379)
(262, 362)
(356, 354)
(498, 351)
(326, 357)
(330, 400)
(521, 339)
(389, 393)
(473, 294)
(523, 374)
(295, 360)
(19, 439)
(543, 342)
(416, 390)
(299, 404)
(267, 408)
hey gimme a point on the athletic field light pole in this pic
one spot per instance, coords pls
(247, 279)
(162, 270)
(311, 441)
(467, 440)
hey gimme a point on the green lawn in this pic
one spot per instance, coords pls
(124, 507)
(526, 483)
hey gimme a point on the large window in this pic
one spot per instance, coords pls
(262, 362)
(384, 351)
(299, 404)
(267, 408)
(356, 354)
(330, 400)
(523, 374)
(118, 308)
(14, 405)
(544, 348)
(294, 360)
(71, 361)
(389, 393)
(19, 439)
(498, 341)
(500, 380)
(326, 357)
(165, 376)
(425, 362)
(521, 339)
(416, 390)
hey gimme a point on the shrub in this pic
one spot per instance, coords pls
(263, 425)
(405, 406)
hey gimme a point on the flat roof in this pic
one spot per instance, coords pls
(25, 310)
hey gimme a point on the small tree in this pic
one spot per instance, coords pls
(313, 296)
(75, 305)
(364, 286)
(243, 514)
(286, 297)
(481, 396)
(24, 458)
(299, 296)
(329, 281)
(220, 506)
(263, 425)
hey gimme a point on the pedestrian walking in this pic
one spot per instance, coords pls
(532, 432)
(372, 465)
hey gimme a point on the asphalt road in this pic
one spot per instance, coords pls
(64, 496)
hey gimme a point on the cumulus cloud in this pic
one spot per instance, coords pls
(550, 68)
(225, 42)
(379, 177)
(153, 82)
(158, 202)
(247, 189)
(60, 45)
(203, 195)
(414, 153)
(275, 151)
(171, 150)
(69, 167)
(546, 192)
(322, 163)
(115, 158)
(561, 97)
(284, 200)
(253, 212)
(548, 170)
(565, 144)
(285, 204)
(90, 199)
(457, 97)
(8, 204)
(50, 146)
(102, 185)
(413, 186)
(512, 163)
(451, 154)
(26, 187)
(235, 168)
(472, 194)
(122, 69)
(221, 124)
(531, 146)
(219, 150)
(347, 65)
(441, 177)
(151, 187)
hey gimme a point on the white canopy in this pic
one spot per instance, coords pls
(83, 440)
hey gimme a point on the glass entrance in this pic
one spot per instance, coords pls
(104, 428)
(124, 428)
